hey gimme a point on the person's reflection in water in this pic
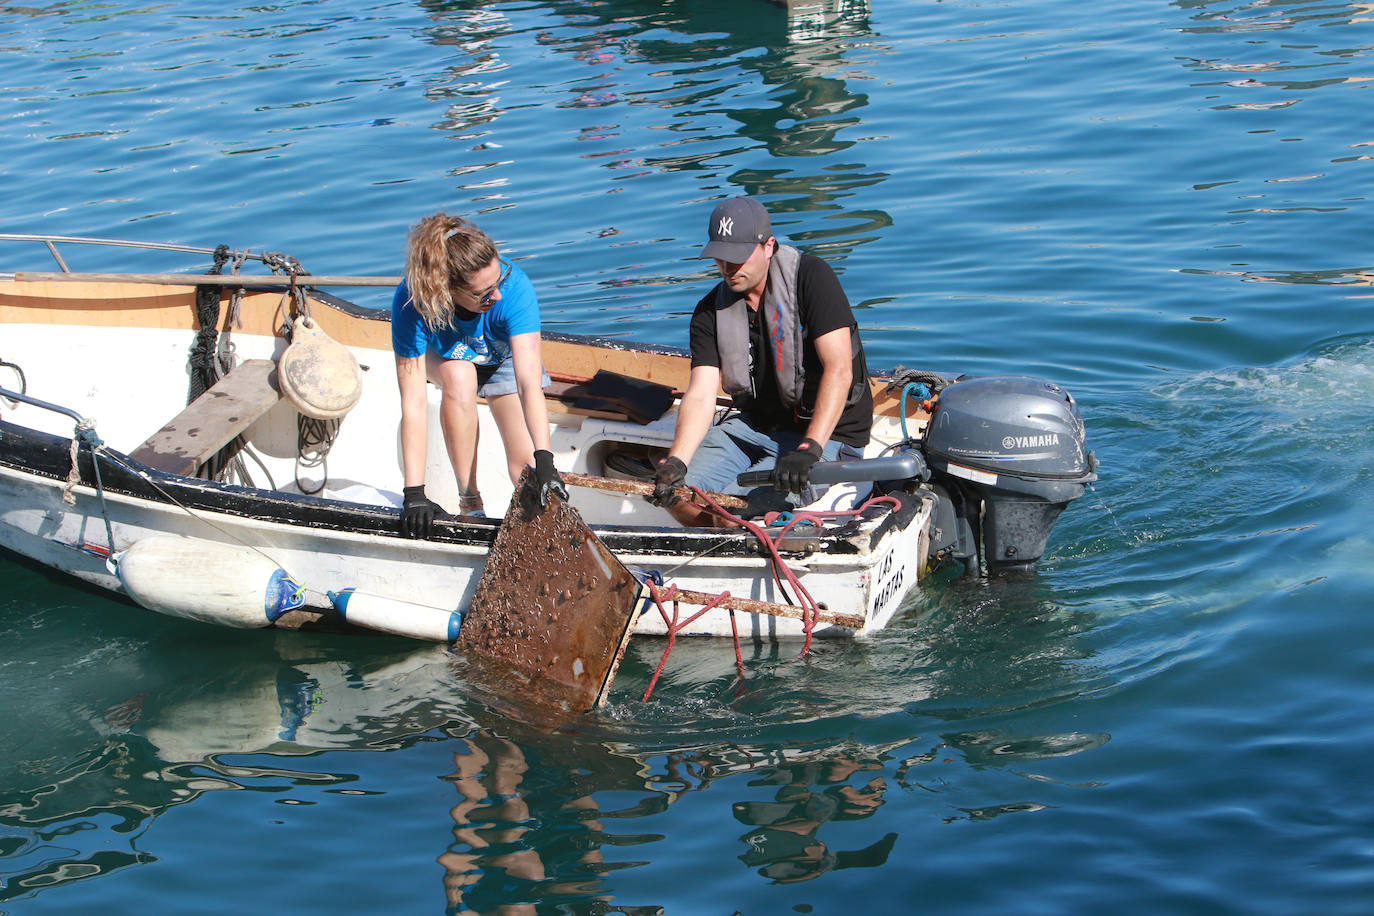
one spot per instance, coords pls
(502, 861)
(786, 845)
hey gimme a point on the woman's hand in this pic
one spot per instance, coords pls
(419, 512)
(546, 477)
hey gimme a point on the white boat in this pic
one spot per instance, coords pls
(201, 510)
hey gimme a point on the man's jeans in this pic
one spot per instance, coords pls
(733, 447)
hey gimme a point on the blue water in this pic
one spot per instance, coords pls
(1162, 206)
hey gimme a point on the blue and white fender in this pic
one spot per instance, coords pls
(207, 581)
(392, 615)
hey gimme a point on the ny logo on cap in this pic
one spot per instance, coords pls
(726, 227)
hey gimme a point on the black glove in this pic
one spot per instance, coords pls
(418, 512)
(546, 477)
(792, 473)
(670, 474)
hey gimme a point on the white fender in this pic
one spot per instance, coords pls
(207, 581)
(392, 615)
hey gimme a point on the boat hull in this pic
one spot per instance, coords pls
(331, 545)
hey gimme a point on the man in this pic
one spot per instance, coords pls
(778, 335)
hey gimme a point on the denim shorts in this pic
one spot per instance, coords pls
(494, 381)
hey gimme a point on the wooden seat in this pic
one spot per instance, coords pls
(208, 423)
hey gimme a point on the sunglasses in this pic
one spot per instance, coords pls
(483, 297)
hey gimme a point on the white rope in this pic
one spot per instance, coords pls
(74, 475)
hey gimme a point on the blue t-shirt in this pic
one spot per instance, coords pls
(485, 340)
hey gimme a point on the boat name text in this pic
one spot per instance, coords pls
(890, 588)
(1042, 441)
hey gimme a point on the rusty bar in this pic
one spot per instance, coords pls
(644, 488)
(755, 606)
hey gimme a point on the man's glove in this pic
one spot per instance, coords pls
(418, 512)
(670, 474)
(546, 477)
(792, 473)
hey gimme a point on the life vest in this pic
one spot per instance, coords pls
(785, 335)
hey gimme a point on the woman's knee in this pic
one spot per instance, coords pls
(456, 378)
(457, 400)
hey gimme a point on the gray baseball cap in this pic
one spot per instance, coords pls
(737, 225)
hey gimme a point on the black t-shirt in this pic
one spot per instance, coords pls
(823, 307)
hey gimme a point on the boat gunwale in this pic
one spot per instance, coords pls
(47, 455)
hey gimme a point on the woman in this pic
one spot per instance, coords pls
(468, 321)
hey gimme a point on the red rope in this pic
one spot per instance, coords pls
(819, 517)
(674, 625)
(782, 574)
(739, 657)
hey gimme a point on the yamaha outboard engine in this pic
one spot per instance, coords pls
(1007, 455)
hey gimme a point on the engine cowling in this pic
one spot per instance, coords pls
(1007, 454)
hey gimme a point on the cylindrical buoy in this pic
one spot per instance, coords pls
(392, 615)
(207, 581)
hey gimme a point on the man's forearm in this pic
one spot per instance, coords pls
(830, 399)
(693, 420)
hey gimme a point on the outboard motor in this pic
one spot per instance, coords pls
(1007, 455)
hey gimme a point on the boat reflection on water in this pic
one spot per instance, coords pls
(785, 845)
(527, 830)
(138, 725)
(825, 20)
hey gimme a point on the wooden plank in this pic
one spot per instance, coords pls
(574, 358)
(170, 307)
(208, 423)
(553, 610)
(76, 299)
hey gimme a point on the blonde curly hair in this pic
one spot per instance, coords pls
(443, 250)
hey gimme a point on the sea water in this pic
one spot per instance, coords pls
(1164, 207)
